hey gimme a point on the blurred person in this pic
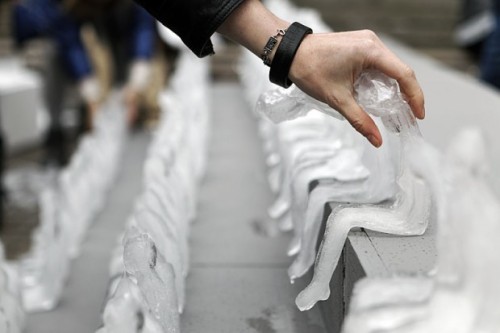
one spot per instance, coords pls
(62, 20)
(325, 66)
(478, 32)
(490, 57)
(476, 22)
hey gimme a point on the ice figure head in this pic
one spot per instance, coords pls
(380, 96)
(142, 253)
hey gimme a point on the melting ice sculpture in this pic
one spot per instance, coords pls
(410, 212)
(169, 240)
(318, 147)
(463, 296)
(407, 215)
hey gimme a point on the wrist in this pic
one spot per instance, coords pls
(251, 25)
(286, 52)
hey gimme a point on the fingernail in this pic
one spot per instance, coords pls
(374, 140)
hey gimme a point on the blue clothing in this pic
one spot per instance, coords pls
(35, 18)
(490, 58)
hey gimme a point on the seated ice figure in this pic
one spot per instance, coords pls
(463, 295)
(408, 215)
(407, 211)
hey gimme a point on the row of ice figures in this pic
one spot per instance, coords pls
(68, 202)
(151, 261)
(395, 189)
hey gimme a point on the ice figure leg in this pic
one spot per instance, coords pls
(408, 216)
(310, 232)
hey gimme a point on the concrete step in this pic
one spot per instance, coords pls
(238, 280)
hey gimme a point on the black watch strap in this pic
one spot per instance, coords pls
(285, 53)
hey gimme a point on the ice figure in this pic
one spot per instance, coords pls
(408, 215)
(155, 279)
(168, 197)
(463, 296)
(12, 317)
(169, 242)
(409, 210)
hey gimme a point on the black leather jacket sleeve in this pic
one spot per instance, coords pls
(194, 21)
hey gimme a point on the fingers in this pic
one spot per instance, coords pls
(391, 65)
(360, 120)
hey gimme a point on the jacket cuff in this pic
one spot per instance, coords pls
(194, 21)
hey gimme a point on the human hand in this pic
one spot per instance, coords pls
(326, 67)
